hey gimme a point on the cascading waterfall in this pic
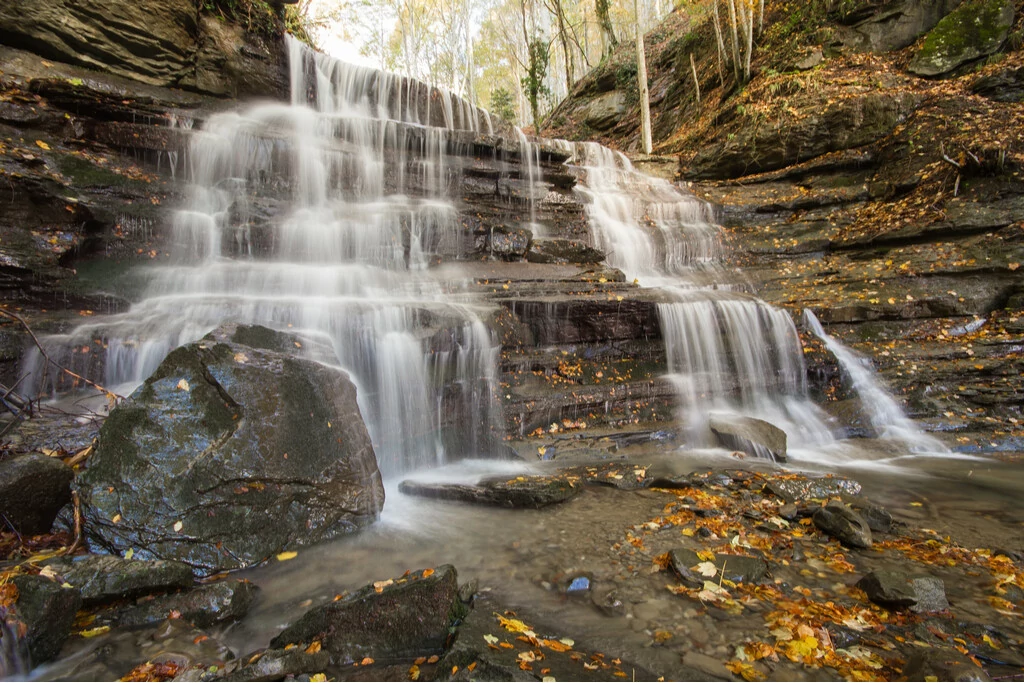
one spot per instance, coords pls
(322, 216)
(886, 415)
(726, 351)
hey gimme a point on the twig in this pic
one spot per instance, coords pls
(35, 340)
(77, 503)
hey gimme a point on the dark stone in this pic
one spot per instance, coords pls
(789, 512)
(623, 476)
(897, 590)
(797, 490)
(277, 665)
(520, 492)
(842, 523)
(735, 568)
(841, 636)
(47, 612)
(878, 518)
(754, 437)
(563, 251)
(508, 244)
(33, 488)
(227, 437)
(408, 617)
(103, 578)
(202, 607)
(1002, 86)
(973, 30)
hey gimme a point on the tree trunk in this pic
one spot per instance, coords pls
(736, 59)
(641, 74)
(605, 22)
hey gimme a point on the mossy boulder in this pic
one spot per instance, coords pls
(229, 453)
(975, 29)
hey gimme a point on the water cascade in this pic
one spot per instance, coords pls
(726, 350)
(886, 415)
(323, 216)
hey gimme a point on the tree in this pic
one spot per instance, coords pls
(601, 8)
(533, 81)
(641, 75)
(503, 105)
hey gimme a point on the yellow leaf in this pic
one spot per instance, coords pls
(514, 625)
(427, 573)
(287, 555)
(313, 648)
(93, 632)
(915, 504)
(42, 145)
(129, 554)
(318, 678)
(367, 661)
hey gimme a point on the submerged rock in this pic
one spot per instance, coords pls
(103, 578)
(844, 524)
(406, 617)
(44, 611)
(520, 492)
(230, 453)
(33, 488)
(735, 568)
(277, 665)
(754, 437)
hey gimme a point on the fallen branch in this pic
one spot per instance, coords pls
(35, 340)
(77, 503)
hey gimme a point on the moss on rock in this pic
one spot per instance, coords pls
(975, 29)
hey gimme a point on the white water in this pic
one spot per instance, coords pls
(886, 415)
(322, 217)
(726, 351)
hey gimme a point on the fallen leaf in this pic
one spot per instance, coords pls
(93, 632)
(42, 145)
(287, 555)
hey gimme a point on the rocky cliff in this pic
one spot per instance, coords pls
(870, 170)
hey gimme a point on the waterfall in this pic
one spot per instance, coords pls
(726, 350)
(322, 216)
(886, 415)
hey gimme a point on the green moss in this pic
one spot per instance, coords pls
(84, 173)
(976, 25)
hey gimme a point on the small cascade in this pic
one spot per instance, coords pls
(726, 351)
(322, 217)
(886, 415)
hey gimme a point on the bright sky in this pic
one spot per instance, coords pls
(333, 43)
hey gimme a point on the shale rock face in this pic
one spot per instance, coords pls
(159, 42)
(230, 453)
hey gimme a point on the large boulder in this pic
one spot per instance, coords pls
(105, 578)
(975, 29)
(398, 618)
(605, 110)
(33, 488)
(895, 25)
(233, 450)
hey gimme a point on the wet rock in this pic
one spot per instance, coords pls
(789, 512)
(406, 617)
(754, 437)
(975, 29)
(736, 568)
(508, 244)
(202, 607)
(844, 524)
(605, 110)
(45, 611)
(841, 636)
(563, 251)
(33, 488)
(878, 518)
(103, 578)
(520, 492)
(797, 490)
(276, 665)
(898, 590)
(942, 664)
(624, 476)
(173, 641)
(228, 436)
